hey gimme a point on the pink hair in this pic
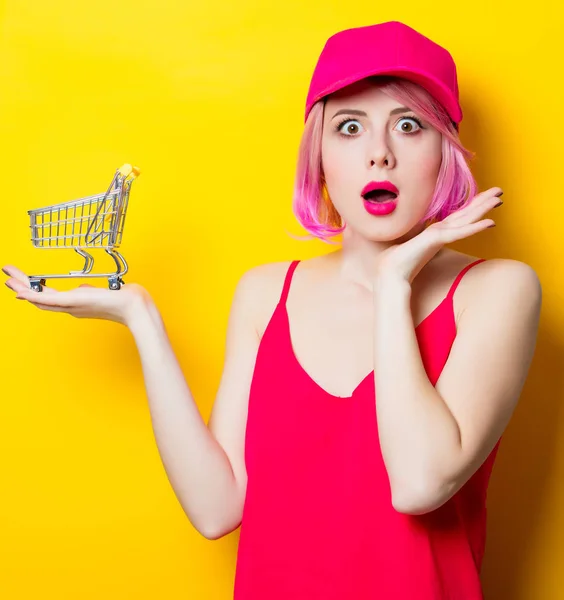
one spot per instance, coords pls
(455, 182)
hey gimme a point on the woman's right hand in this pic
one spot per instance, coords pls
(85, 301)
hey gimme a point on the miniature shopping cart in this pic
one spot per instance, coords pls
(83, 224)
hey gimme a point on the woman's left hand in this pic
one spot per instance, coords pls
(406, 260)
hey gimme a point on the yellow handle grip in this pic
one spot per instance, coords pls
(128, 170)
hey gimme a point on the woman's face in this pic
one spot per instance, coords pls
(368, 136)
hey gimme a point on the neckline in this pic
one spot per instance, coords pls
(447, 299)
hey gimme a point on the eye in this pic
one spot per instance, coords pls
(349, 127)
(407, 127)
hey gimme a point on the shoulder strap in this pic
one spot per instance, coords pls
(288, 281)
(461, 275)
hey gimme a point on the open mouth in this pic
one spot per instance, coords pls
(379, 196)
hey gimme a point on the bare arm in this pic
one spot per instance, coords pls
(434, 438)
(204, 465)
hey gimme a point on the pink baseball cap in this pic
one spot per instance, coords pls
(390, 48)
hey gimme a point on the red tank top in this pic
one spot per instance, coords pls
(318, 523)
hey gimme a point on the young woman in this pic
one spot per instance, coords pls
(365, 391)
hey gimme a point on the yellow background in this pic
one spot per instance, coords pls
(207, 98)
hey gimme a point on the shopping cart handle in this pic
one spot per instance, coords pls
(127, 169)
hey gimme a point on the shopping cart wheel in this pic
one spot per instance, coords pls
(37, 284)
(115, 283)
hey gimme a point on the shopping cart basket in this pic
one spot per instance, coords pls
(86, 223)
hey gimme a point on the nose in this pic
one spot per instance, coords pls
(379, 152)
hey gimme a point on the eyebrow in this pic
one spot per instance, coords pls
(361, 113)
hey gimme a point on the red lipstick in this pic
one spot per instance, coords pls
(380, 197)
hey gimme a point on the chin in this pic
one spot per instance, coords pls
(382, 229)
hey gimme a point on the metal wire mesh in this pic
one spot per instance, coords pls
(90, 222)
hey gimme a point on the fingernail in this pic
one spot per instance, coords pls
(492, 225)
(499, 194)
(499, 204)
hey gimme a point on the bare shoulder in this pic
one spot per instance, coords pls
(259, 289)
(490, 276)
(504, 276)
(507, 286)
